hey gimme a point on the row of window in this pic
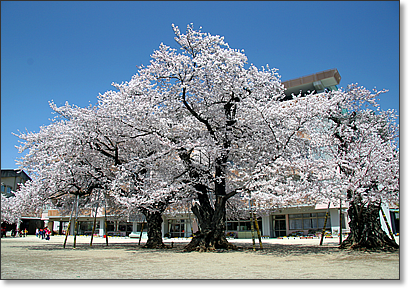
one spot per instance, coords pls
(86, 227)
(176, 227)
(307, 221)
(296, 222)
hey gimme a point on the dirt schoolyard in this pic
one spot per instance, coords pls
(34, 258)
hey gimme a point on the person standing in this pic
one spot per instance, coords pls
(37, 232)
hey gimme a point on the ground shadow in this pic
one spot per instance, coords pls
(279, 250)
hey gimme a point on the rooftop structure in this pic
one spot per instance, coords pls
(318, 82)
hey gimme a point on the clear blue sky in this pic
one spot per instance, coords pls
(72, 51)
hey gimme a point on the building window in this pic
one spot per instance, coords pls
(126, 227)
(177, 227)
(279, 225)
(5, 189)
(110, 226)
(232, 226)
(85, 227)
(308, 221)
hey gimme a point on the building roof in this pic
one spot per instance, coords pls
(14, 173)
(317, 82)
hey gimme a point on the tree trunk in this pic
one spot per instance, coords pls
(154, 220)
(366, 232)
(211, 234)
(211, 220)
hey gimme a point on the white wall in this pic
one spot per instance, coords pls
(335, 221)
(386, 211)
(266, 226)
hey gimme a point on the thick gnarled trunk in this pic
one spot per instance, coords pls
(366, 232)
(211, 234)
(154, 220)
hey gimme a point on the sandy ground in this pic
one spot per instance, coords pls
(33, 258)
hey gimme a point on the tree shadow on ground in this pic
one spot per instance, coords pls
(279, 250)
(298, 250)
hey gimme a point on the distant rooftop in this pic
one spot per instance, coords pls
(14, 173)
(317, 82)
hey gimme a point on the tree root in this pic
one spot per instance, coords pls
(207, 243)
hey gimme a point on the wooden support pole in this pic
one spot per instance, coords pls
(325, 224)
(140, 236)
(94, 224)
(341, 224)
(106, 226)
(252, 228)
(252, 233)
(68, 226)
(257, 228)
(77, 212)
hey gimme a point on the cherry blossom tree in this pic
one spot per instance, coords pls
(93, 149)
(352, 157)
(9, 209)
(226, 121)
(59, 164)
(362, 146)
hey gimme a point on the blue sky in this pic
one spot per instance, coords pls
(72, 51)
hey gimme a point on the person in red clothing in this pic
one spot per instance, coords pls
(47, 233)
